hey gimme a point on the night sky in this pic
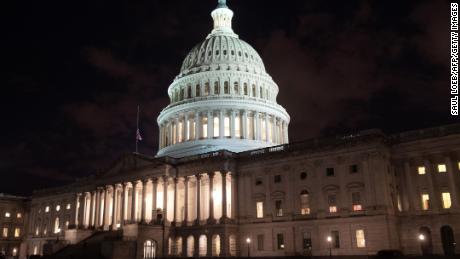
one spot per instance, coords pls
(75, 71)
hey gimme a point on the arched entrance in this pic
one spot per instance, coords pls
(448, 240)
(150, 249)
(426, 243)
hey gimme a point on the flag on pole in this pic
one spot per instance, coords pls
(138, 135)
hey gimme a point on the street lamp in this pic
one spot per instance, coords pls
(248, 241)
(421, 237)
(329, 241)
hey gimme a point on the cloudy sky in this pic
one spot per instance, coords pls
(75, 71)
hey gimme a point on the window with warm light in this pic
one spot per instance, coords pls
(360, 238)
(37, 231)
(304, 203)
(7, 214)
(421, 170)
(442, 168)
(58, 207)
(19, 215)
(425, 201)
(356, 201)
(47, 209)
(5, 232)
(260, 209)
(56, 226)
(458, 165)
(279, 208)
(17, 232)
(68, 206)
(332, 203)
(446, 201)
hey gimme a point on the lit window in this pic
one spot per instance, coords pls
(421, 170)
(425, 201)
(458, 165)
(333, 209)
(68, 206)
(58, 207)
(304, 203)
(279, 208)
(15, 251)
(45, 231)
(442, 168)
(260, 209)
(19, 215)
(37, 231)
(17, 232)
(446, 201)
(35, 250)
(360, 238)
(356, 200)
(7, 215)
(47, 209)
(332, 203)
(5, 232)
(67, 224)
(216, 127)
(56, 226)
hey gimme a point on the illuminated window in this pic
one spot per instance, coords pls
(458, 165)
(425, 201)
(204, 128)
(45, 230)
(442, 168)
(7, 215)
(35, 250)
(398, 197)
(260, 209)
(227, 126)
(17, 232)
(15, 251)
(68, 206)
(237, 126)
(19, 215)
(279, 208)
(216, 126)
(421, 170)
(58, 207)
(47, 209)
(356, 201)
(5, 232)
(446, 201)
(304, 203)
(360, 238)
(56, 226)
(37, 231)
(332, 203)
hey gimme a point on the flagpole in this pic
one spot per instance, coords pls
(137, 129)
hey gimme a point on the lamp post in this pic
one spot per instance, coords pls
(329, 241)
(248, 241)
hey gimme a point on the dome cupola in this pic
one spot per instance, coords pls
(222, 98)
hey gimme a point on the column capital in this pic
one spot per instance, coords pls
(211, 175)
(198, 176)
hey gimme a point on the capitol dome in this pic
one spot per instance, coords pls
(222, 98)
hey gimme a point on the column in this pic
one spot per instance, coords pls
(81, 211)
(221, 124)
(154, 199)
(413, 197)
(123, 206)
(165, 197)
(198, 198)
(98, 206)
(224, 195)
(92, 207)
(133, 202)
(211, 201)
(77, 201)
(176, 191)
(244, 123)
(114, 206)
(197, 125)
(176, 121)
(232, 124)
(186, 132)
(186, 204)
(210, 125)
(451, 173)
(267, 125)
(144, 200)
(106, 207)
(257, 135)
(286, 135)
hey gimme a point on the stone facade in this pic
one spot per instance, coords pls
(364, 191)
(13, 219)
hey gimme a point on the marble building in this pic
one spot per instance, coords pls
(13, 222)
(226, 182)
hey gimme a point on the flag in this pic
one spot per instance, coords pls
(138, 135)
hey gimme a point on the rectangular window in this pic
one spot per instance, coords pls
(335, 239)
(260, 209)
(330, 171)
(446, 201)
(47, 209)
(19, 215)
(216, 127)
(237, 126)
(197, 91)
(442, 168)
(360, 238)
(306, 240)
(280, 241)
(259, 180)
(5, 232)
(353, 169)
(204, 128)
(425, 201)
(332, 203)
(421, 170)
(277, 178)
(216, 88)
(227, 126)
(356, 201)
(17, 232)
(260, 242)
(206, 89)
(68, 206)
(279, 208)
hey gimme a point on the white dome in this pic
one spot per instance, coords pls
(222, 98)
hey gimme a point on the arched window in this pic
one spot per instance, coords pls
(236, 88)
(207, 89)
(150, 249)
(232, 245)
(216, 245)
(57, 229)
(448, 240)
(190, 246)
(216, 88)
(226, 88)
(304, 202)
(189, 91)
(245, 89)
(198, 91)
(203, 246)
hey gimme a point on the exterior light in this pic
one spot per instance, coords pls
(248, 240)
(421, 237)
(329, 239)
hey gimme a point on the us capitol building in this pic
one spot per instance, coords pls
(226, 182)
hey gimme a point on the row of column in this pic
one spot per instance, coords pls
(179, 200)
(233, 124)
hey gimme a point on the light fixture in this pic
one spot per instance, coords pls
(421, 237)
(329, 239)
(248, 240)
